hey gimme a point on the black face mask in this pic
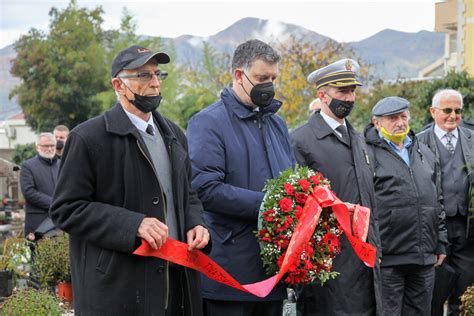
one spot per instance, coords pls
(145, 103)
(261, 94)
(59, 144)
(340, 108)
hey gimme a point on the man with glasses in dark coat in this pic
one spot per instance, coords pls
(453, 145)
(126, 176)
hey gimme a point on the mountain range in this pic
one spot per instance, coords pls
(391, 54)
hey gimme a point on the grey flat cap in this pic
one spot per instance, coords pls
(341, 73)
(389, 106)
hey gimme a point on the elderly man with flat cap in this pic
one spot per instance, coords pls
(411, 217)
(126, 176)
(328, 143)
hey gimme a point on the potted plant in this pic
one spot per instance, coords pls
(467, 302)
(14, 263)
(51, 265)
(32, 302)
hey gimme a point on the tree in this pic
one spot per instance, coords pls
(23, 152)
(201, 85)
(63, 71)
(299, 59)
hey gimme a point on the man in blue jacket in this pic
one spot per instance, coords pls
(235, 145)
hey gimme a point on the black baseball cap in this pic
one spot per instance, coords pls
(136, 56)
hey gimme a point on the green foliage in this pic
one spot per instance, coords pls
(23, 152)
(16, 255)
(31, 302)
(51, 265)
(61, 71)
(200, 85)
(467, 302)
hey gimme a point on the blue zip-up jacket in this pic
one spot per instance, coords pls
(233, 151)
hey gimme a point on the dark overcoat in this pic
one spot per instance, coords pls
(107, 185)
(357, 290)
(411, 217)
(38, 177)
(233, 151)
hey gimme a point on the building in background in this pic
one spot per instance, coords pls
(14, 131)
(455, 18)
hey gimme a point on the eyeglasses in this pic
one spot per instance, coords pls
(147, 76)
(47, 146)
(450, 110)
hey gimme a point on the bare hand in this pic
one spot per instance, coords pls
(198, 237)
(439, 259)
(153, 231)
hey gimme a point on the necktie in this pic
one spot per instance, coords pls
(344, 134)
(449, 144)
(150, 130)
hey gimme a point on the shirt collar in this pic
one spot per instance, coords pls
(140, 124)
(440, 133)
(331, 122)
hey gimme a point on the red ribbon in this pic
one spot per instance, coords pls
(178, 253)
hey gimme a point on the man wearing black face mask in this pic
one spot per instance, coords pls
(235, 145)
(126, 176)
(328, 143)
(61, 132)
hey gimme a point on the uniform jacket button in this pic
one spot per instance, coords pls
(155, 200)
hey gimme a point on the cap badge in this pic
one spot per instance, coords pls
(348, 65)
(142, 50)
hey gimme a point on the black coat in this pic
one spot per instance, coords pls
(37, 180)
(411, 217)
(317, 146)
(106, 187)
(466, 137)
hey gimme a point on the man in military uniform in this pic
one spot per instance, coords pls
(328, 143)
(454, 147)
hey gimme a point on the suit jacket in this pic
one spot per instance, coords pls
(466, 137)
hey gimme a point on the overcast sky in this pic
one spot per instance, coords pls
(344, 21)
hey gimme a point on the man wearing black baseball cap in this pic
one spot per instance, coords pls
(125, 176)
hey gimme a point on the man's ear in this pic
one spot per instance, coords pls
(118, 85)
(238, 74)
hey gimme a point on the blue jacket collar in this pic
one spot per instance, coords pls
(243, 111)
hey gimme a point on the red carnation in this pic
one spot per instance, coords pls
(269, 216)
(281, 241)
(285, 204)
(289, 189)
(299, 211)
(305, 185)
(300, 198)
(265, 235)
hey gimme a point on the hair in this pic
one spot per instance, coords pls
(246, 53)
(436, 102)
(61, 128)
(50, 136)
(124, 81)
